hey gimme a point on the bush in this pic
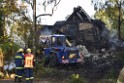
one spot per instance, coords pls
(1, 75)
(40, 71)
(75, 78)
(112, 74)
(120, 55)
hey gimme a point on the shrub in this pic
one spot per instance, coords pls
(75, 78)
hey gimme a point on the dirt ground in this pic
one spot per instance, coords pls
(46, 81)
(63, 76)
(12, 81)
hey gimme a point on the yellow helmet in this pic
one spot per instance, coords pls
(28, 50)
(20, 50)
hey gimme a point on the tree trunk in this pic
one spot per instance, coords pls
(1, 25)
(34, 25)
(119, 20)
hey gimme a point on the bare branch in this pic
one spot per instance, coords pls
(57, 3)
(48, 14)
(43, 15)
(30, 3)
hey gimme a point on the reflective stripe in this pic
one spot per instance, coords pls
(27, 78)
(31, 77)
(20, 57)
(19, 68)
(16, 75)
(20, 76)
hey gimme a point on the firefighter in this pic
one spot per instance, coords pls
(19, 62)
(121, 76)
(28, 66)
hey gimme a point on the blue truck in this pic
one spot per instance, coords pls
(60, 51)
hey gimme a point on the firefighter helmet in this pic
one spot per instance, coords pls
(28, 50)
(20, 50)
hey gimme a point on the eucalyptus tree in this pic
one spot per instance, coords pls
(111, 12)
(6, 8)
(22, 25)
(22, 29)
(44, 4)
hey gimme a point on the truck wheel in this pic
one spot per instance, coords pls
(46, 60)
(53, 60)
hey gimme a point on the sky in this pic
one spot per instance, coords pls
(64, 9)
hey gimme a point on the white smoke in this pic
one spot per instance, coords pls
(44, 34)
(114, 41)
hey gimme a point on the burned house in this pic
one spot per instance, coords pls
(81, 29)
(84, 30)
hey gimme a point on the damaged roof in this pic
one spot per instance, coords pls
(77, 15)
(80, 13)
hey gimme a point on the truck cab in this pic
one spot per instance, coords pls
(60, 51)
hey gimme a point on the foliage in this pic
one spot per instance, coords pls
(1, 75)
(75, 78)
(112, 74)
(107, 81)
(120, 55)
(8, 6)
(9, 47)
(111, 12)
(22, 28)
(40, 71)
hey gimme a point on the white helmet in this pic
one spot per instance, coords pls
(20, 50)
(28, 50)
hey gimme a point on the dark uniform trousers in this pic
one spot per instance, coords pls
(29, 75)
(19, 74)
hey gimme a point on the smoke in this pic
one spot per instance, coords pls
(109, 36)
(44, 34)
(46, 31)
(113, 41)
(105, 33)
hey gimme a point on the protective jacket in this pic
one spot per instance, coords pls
(29, 61)
(28, 66)
(19, 60)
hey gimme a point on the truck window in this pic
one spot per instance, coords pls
(57, 41)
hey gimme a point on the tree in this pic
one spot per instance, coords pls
(33, 5)
(22, 28)
(7, 7)
(112, 11)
